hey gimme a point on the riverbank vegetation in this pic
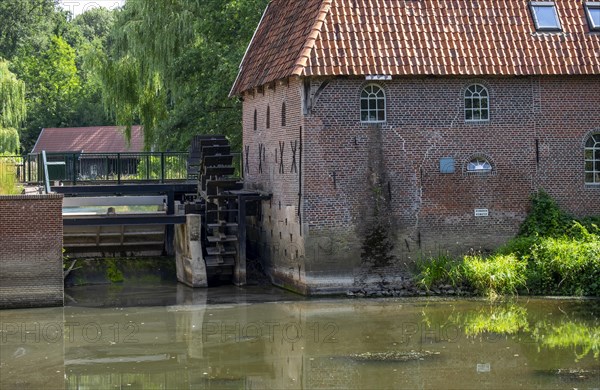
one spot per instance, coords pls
(554, 254)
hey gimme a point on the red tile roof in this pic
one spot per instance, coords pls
(415, 37)
(101, 139)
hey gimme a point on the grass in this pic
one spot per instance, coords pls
(442, 269)
(496, 275)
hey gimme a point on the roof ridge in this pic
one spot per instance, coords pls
(309, 45)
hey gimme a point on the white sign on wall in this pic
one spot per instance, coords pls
(482, 213)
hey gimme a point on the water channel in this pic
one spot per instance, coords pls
(168, 336)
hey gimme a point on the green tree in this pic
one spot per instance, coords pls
(53, 87)
(12, 109)
(91, 28)
(94, 23)
(22, 20)
(170, 66)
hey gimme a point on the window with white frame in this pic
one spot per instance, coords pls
(477, 103)
(592, 11)
(545, 16)
(592, 159)
(372, 104)
(479, 164)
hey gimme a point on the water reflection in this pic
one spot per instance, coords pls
(315, 344)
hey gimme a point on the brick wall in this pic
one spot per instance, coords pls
(31, 234)
(276, 234)
(357, 177)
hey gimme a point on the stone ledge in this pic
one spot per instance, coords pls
(31, 197)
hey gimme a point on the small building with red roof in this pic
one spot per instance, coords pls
(98, 150)
(95, 139)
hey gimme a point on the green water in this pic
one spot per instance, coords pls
(172, 337)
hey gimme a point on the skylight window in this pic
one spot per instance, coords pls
(545, 16)
(592, 10)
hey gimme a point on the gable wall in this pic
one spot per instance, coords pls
(276, 235)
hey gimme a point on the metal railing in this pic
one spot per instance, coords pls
(80, 168)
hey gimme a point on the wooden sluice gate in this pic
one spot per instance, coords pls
(113, 234)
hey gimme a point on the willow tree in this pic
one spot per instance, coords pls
(12, 109)
(171, 64)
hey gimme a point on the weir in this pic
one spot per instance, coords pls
(201, 220)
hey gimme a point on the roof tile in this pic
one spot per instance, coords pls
(415, 37)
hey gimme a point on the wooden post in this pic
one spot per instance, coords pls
(239, 273)
(170, 230)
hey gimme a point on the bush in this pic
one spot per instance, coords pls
(545, 219)
(495, 275)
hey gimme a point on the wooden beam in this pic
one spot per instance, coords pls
(114, 201)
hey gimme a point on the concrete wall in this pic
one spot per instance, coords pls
(372, 197)
(191, 268)
(31, 267)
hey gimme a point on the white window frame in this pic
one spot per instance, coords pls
(533, 5)
(482, 161)
(589, 5)
(378, 99)
(592, 157)
(471, 98)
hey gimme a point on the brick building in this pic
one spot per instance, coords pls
(386, 130)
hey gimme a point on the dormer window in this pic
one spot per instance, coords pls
(592, 10)
(545, 16)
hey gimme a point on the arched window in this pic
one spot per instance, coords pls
(255, 119)
(372, 104)
(283, 119)
(479, 164)
(477, 103)
(268, 117)
(592, 159)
